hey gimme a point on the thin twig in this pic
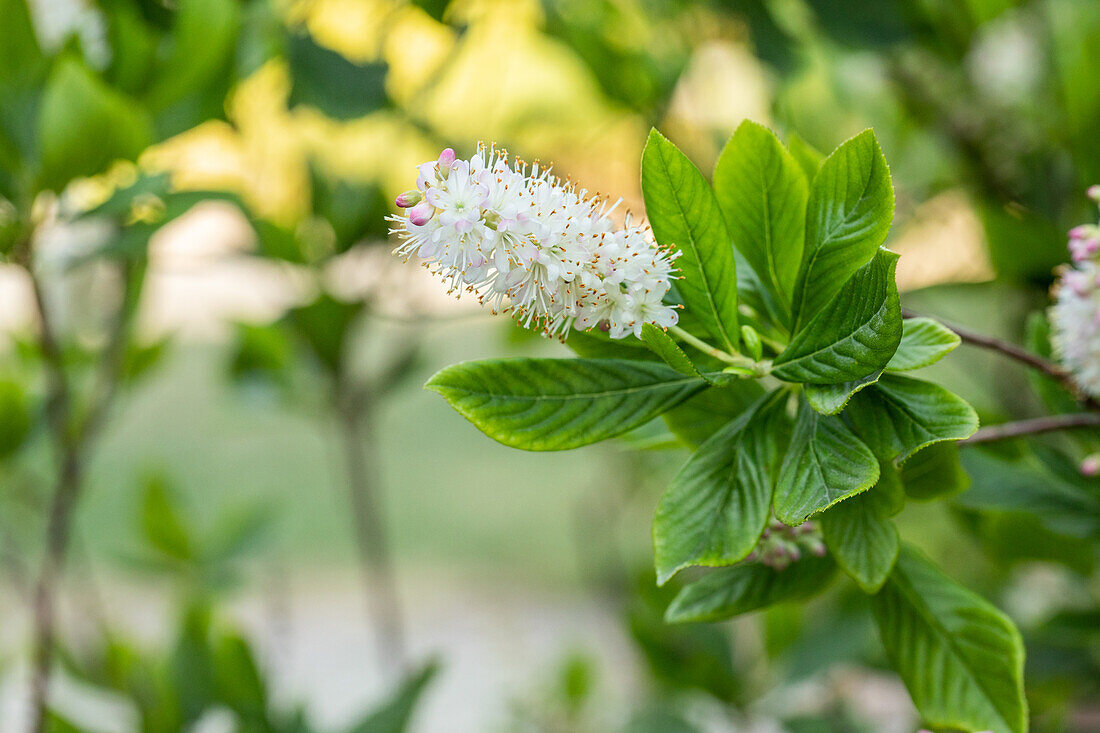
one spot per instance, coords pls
(1034, 426)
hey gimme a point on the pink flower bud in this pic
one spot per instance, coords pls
(1090, 466)
(409, 199)
(446, 158)
(1076, 281)
(1081, 232)
(421, 214)
(1094, 193)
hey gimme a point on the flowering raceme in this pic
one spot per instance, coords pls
(1075, 315)
(532, 245)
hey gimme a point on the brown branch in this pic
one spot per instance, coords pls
(1034, 426)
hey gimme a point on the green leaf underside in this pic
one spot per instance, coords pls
(683, 213)
(933, 472)
(961, 659)
(923, 342)
(762, 193)
(830, 399)
(824, 464)
(558, 404)
(728, 592)
(861, 537)
(850, 209)
(899, 415)
(716, 507)
(855, 335)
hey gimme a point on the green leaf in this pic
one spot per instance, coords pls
(899, 415)
(162, 526)
(22, 72)
(825, 463)
(663, 345)
(861, 537)
(762, 193)
(934, 472)
(237, 678)
(395, 714)
(704, 414)
(716, 507)
(729, 592)
(1066, 504)
(15, 417)
(684, 214)
(22, 59)
(261, 352)
(558, 404)
(84, 125)
(1016, 538)
(683, 657)
(356, 211)
(133, 42)
(889, 493)
(325, 326)
(923, 342)
(960, 657)
(850, 209)
(830, 399)
(853, 336)
(807, 156)
(338, 87)
(191, 665)
(203, 39)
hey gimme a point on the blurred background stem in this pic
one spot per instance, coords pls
(73, 439)
(353, 408)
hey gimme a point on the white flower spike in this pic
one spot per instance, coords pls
(534, 246)
(1075, 315)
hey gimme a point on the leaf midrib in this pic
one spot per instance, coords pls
(891, 399)
(829, 234)
(925, 613)
(851, 334)
(718, 320)
(575, 395)
(769, 248)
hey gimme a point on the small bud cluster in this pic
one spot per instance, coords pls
(1075, 315)
(781, 545)
(529, 244)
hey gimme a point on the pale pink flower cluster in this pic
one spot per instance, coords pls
(1075, 315)
(527, 243)
(781, 545)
